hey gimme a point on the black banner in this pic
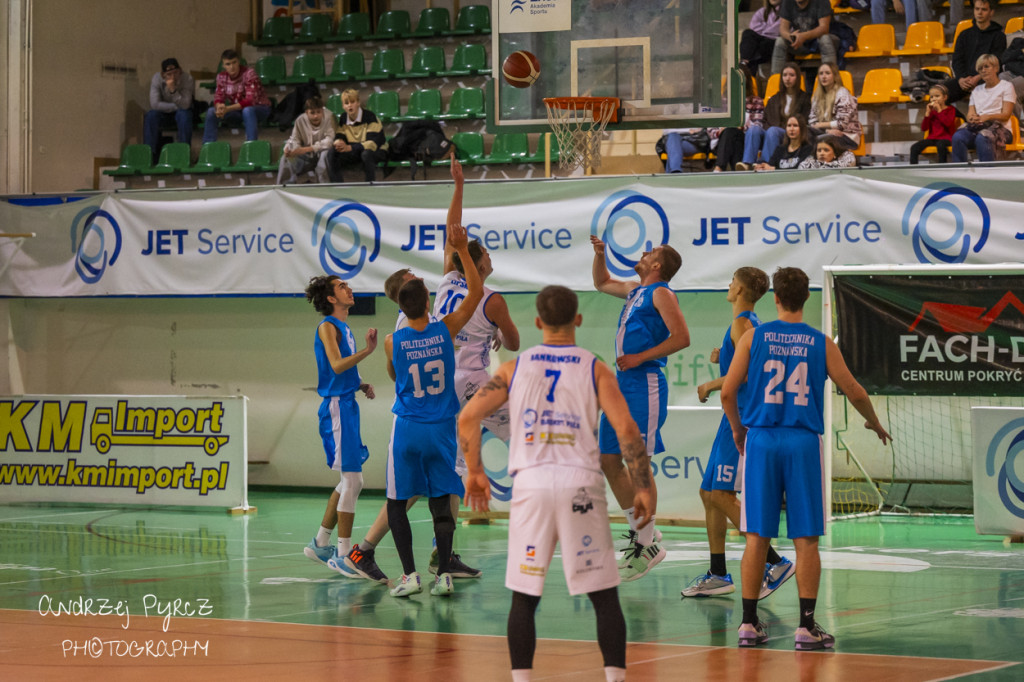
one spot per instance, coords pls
(933, 334)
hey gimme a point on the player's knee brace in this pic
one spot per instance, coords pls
(348, 490)
(441, 510)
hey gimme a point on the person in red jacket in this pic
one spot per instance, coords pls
(939, 124)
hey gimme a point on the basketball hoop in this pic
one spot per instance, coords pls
(578, 123)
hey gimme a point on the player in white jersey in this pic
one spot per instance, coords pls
(553, 392)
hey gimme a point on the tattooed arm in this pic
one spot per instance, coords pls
(484, 402)
(634, 452)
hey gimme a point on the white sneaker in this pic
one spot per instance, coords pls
(641, 561)
(442, 586)
(409, 584)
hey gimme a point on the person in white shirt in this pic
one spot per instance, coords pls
(306, 148)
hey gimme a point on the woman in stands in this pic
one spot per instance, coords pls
(791, 100)
(758, 41)
(988, 116)
(830, 154)
(834, 109)
(731, 148)
(798, 148)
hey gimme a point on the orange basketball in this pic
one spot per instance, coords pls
(521, 69)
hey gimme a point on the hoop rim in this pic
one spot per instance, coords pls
(593, 104)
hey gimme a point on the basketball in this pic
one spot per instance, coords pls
(521, 69)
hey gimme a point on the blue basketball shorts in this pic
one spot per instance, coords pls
(339, 430)
(421, 460)
(646, 394)
(723, 468)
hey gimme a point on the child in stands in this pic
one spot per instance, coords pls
(939, 124)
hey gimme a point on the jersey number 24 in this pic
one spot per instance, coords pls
(795, 383)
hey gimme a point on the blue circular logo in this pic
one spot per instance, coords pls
(629, 223)
(91, 230)
(1009, 440)
(346, 225)
(946, 222)
(499, 491)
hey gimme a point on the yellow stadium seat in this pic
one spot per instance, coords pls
(924, 37)
(874, 40)
(1015, 24)
(966, 23)
(1015, 145)
(882, 86)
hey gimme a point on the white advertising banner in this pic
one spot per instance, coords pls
(267, 241)
(998, 434)
(154, 450)
(534, 16)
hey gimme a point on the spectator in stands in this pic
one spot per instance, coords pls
(908, 9)
(834, 109)
(170, 101)
(1013, 66)
(797, 149)
(682, 142)
(731, 148)
(988, 118)
(830, 154)
(239, 97)
(758, 41)
(804, 29)
(306, 148)
(939, 124)
(791, 100)
(359, 142)
(983, 37)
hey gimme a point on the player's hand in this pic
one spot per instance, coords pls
(456, 236)
(371, 340)
(367, 390)
(703, 392)
(644, 502)
(478, 491)
(740, 438)
(628, 361)
(883, 435)
(496, 342)
(715, 353)
(456, 169)
(597, 244)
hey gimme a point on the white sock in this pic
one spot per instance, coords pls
(615, 674)
(522, 675)
(323, 536)
(645, 536)
(629, 518)
(344, 546)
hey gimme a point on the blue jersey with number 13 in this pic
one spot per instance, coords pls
(424, 365)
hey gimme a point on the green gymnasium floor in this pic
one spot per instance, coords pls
(907, 587)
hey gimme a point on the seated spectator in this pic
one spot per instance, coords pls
(1013, 67)
(804, 29)
(984, 36)
(988, 118)
(359, 142)
(791, 100)
(683, 142)
(170, 101)
(830, 154)
(797, 149)
(239, 98)
(306, 148)
(908, 9)
(731, 149)
(939, 123)
(758, 41)
(834, 109)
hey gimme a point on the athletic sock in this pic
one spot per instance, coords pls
(367, 545)
(344, 546)
(718, 564)
(522, 675)
(807, 612)
(614, 674)
(630, 519)
(645, 536)
(773, 556)
(323, 536)
(750, 611)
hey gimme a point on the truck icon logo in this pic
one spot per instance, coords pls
(164, 427)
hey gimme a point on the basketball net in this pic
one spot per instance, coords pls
(578, 123)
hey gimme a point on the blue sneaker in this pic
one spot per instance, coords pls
(775, 575)
(337, 563)
(317, 553)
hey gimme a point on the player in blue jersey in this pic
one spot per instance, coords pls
(785, 364)
(553, 392)
(721, 476)
(338, 381)
(651, 327)
(421, 457)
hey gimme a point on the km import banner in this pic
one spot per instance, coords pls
(155, 450)
(933, 334)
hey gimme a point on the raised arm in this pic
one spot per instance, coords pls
(666, 303)
(496, 310)
(484, 402)
(602, 278)
(328, 334)
(454, 214)
(458, 318)
(851, 388)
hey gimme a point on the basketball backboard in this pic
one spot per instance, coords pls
(666, 60)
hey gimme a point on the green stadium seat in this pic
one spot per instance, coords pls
(428, 61)
(213, 156)
(423, 105)
(393, 24)
(354, 26)
(538, 157)
(333, 105)
(387, 64)
(509, 148)
(384, 104)
(307, 66)
(469, 148)
(136, 159)
(316, 28)
(254, 156)
(465, 103)
(276, 31)
(473, 19)
(347, 66)
(434, 21)
(271, 69)
(469, 60)
(174, 158)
